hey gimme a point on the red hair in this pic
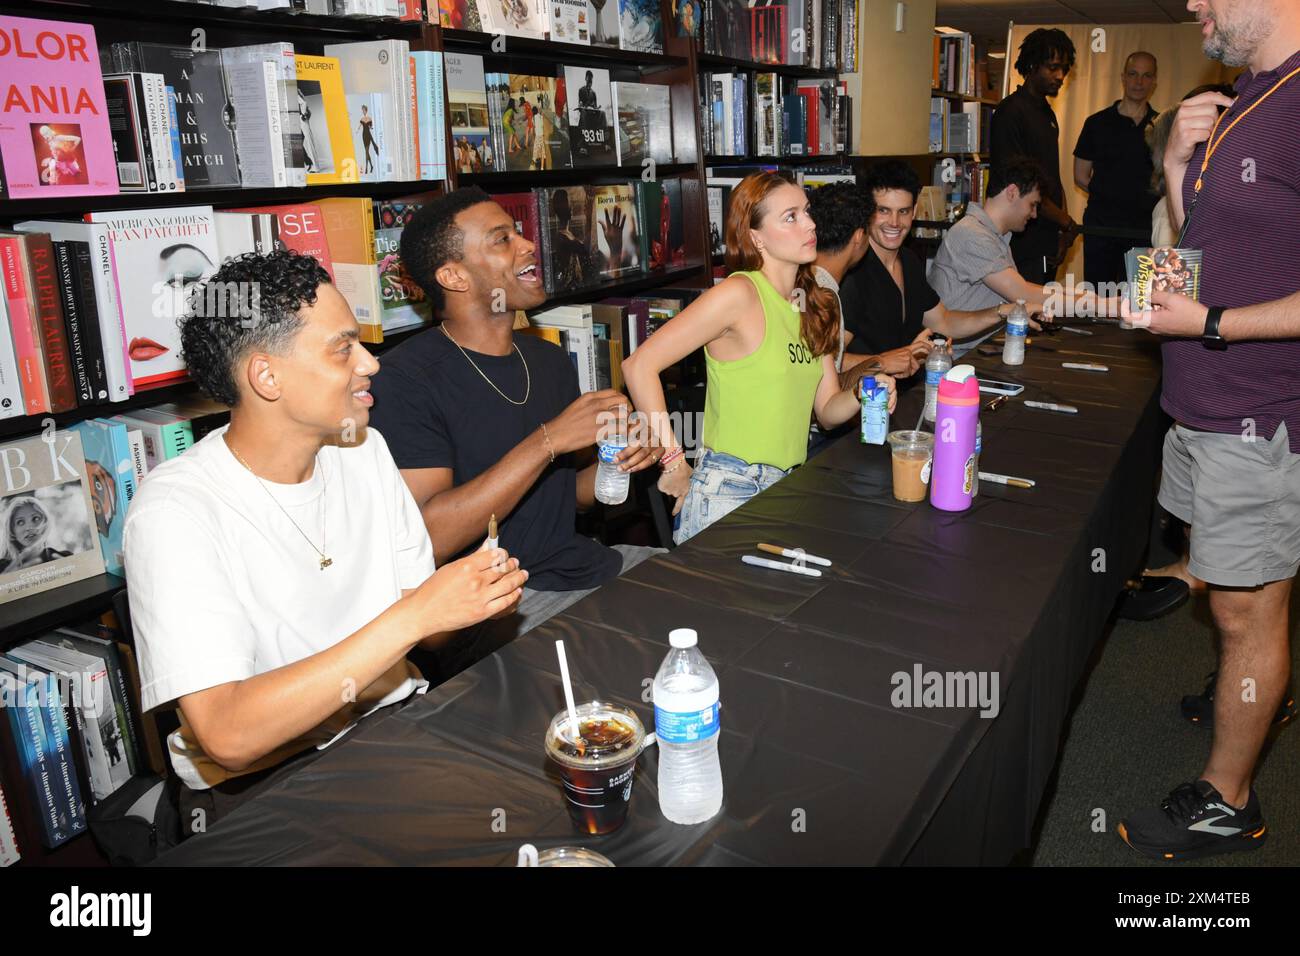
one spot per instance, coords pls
(819, 324)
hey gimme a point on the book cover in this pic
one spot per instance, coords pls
(569, 23)
(458, 15)
(161, 255)
(99, 295)
(11, 389)
(591, 116)
(640, 26)
(242, 232)
(251, 86)
(300, 227)
(687, 17)
(522, 207)
(24, 323)
(1162, 269)
(198, 89)
(518, 18)
(323, 115)
(467, 107)
(54, 128)
(430, 116)
(134, 166)
(532, 134)
(602, 16)
(374, 98)
(47, 521)
(565, 212)
(153, 747)
(291, 147)
(90, 639)
(645, 128)
(67, 788)
(110, 476)
(767, 27)
(350, 227)
(54, 337)
(403, 302)
(166, 436)
(615, 232)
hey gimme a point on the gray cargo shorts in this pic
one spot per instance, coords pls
(1242, 500)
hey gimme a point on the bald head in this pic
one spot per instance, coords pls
(1139, 77)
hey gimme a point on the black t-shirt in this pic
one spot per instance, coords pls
(1120, 192)
(1025, 125)
(436, 411)
(874, 307)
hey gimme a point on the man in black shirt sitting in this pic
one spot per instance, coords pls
(890, 309)
(484, 422)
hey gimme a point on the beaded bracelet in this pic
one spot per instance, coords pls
(671, 457)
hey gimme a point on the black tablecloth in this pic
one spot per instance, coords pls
(819, 766)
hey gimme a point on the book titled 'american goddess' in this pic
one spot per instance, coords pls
(54, 133)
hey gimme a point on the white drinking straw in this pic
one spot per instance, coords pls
(568, 691)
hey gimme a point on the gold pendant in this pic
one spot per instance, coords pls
(325, 563)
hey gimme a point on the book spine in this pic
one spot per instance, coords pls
(67, 790)
(69, 288)
(54, 338)
(438, 76)
(412, 121)
(544, 239)
(122, 695)
(11, 390)
(153, 745)
(22, 321)
(177, 158)
(88, 313)
(112, 331)
(29, 736)
(139, 455)
(177, 437)
(139, 115)
(157, 97)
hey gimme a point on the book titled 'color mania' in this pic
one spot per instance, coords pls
(54, 133)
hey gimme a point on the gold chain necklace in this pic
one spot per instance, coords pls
(528, 381)
(325, 562)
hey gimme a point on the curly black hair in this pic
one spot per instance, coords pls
(839, 210)
(431, 239)
(250, 304)
(892, 174)
(1020, 171)
(1039, 48)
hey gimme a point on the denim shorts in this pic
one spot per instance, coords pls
(719, 485)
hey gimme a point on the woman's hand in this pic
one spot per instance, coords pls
(676, 482)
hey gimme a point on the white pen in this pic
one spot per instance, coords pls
(1053, 407)
(780, 566)
(1071, 328)
(997, 479)
(792, 553)
(1086, 366)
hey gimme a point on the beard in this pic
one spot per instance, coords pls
(1235, 44)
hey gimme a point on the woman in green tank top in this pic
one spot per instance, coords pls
(770, 334)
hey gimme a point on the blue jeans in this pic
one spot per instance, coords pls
(719, 485)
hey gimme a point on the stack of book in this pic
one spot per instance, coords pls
(766, 114)
(816, 33)
(620, 24)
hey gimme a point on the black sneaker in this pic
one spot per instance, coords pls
(1194, 821)
(1151, 596)
(1199, 708)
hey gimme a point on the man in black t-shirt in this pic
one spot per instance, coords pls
(1112, 162)
(484, 422)
(1024, 126)
(890, 309)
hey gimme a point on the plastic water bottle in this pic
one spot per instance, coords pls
(611, 484)
(979, 445)
(686, 726)
(875, 411)
(936, 366)
(1013, 352)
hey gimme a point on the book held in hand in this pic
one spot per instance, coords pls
(1162, 269)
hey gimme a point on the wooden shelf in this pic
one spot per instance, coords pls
(964, 97)
(188, 15)
(567, 175)
(774, 160)
(809, 72)
(19, 209)
(29, 616)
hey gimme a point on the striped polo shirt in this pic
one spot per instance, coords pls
(1247, 223)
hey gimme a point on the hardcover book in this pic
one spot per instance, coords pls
(569, 22)
(458, 15)
(519, 18)
(615, 232)
(47, 524)
(161, 254)
(323, 115)
(350, 226)
(110, 476)
(467, 105)
(645, 128)
(54, 337)
(198, 90)
(591, 116)
(375, 103)
(687, 17)
(566, 222)
(522, 207)
(533, 136)
(300, 227)
(640, 26)
(602, 15)
(290, 150)
(24, 322)
(54, 128)
(404, 303)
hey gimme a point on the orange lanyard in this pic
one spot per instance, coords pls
(1214, 143)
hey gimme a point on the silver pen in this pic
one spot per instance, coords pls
(1053, 407)
(1086, 366)
(780, 566)
(997, 479)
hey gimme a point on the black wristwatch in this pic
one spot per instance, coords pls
(1211, 338)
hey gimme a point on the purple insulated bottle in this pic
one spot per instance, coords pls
(957, 414)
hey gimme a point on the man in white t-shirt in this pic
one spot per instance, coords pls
(279, 571)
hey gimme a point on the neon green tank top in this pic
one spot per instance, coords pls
(757, 408)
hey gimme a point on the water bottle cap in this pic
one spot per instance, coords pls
(959, 373)
(868, 384)
(682, 637)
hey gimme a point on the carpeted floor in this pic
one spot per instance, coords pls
(1127, 746)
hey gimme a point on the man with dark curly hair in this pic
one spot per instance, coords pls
(1024, 126)
(279, 571)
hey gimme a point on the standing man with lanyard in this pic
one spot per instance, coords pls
(1024, 126)
(1112, 162)
(1232, 459)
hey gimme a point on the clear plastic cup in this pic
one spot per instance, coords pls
(912, 453)
(597, 772)
(562, 856)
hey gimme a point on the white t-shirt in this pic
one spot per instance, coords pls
(223, 587)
